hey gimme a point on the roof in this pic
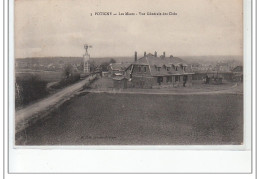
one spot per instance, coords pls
(195, 64)
(238, 75)
(119, 66)
(212, 71)
(119, 78)
(238, 69)
(158, 61)
(154, 62)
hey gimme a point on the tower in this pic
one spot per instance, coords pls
(86, 58)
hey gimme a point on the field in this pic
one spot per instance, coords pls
(105, 84)
(48, 76)
(141, 119)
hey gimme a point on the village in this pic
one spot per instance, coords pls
(142, 73)
(153, 71)
(147, 71)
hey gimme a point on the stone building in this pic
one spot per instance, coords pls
(151, 71)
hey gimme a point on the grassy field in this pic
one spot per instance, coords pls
(136, 119)
(48, 76)
(106, 84)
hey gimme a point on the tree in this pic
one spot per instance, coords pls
(29, 89)
(92, 65)
(112, 61)
(68, 71)
(104, 66)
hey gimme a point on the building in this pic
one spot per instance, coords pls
(195, 66)
(117, 69)
(212, 74)
(223, 67)
(120, 82)
(21, 65)
(220, 70)
(105, 74)
(238, 74)
(151, 71)
(238, 69)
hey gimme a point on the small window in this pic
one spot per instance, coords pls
(185, 78)
(168, 68)
(145, 69)
(159, 79)
(158, 68)
(139, 69)
(176, 68)
(169, 79)
(177, 78)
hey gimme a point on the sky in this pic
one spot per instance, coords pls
(45, 28)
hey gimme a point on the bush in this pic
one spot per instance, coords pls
(29, 89)
(69, 77)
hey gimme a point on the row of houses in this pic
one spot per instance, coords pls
(235, 75)
(151, 71)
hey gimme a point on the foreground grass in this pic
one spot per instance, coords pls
(137, 119)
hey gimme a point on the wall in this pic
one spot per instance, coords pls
(120, 84)
(143, 82)
(174, 83)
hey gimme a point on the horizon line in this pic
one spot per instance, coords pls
(119, 56)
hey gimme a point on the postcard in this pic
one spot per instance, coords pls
(150, 74)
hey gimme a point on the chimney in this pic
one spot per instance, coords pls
(144, 54)
(163, 54)
(135, 56)
(155, 54)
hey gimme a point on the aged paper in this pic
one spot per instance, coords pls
(138, 74)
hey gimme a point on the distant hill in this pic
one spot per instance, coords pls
(188, 59)
(49, 60)
(213, 59)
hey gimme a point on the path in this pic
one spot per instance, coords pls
(228, 91)
(234, 89)
(24, 116)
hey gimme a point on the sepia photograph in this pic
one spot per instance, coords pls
(91, 73)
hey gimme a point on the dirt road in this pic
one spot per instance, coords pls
(24, 116)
